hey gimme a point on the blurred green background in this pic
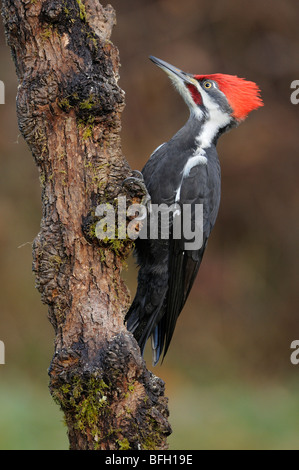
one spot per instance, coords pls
(228, 374)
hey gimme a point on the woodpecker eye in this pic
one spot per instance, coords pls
(207, 84)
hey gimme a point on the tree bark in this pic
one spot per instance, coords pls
(69, 111)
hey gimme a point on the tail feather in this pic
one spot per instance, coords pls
(160, 299)
(158, 341)
(147, 308)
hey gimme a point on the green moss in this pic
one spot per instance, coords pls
(42, 179)
(115, 245)
(153, 437)
(152, 442)
(55, 261)
(102, 255)
(84, 404)
(131, 387)
(87, 133)
(93, 39)
(123, 444)
(87, 127)
(62, 156)
(47, 31)
(65, 388)
(41, 140)
(121, 247)
(60, 318)
(89, 103)
(70, 101)
(82, 10)
(65, 104)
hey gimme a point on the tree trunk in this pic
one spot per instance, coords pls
(69, 108)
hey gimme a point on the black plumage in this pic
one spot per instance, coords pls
(167, 271)
(185, 171)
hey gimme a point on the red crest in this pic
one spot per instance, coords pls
(242, 95)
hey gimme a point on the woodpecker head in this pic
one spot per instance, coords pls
(227, 98)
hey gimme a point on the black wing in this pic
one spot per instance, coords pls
(167, 269)
(200, 187)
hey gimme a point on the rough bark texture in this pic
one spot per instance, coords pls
(69, 107)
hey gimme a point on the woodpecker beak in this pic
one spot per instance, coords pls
(175, 74)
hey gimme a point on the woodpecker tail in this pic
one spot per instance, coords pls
(161, 296)
(144, 317)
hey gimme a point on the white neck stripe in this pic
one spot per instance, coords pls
(216, 120)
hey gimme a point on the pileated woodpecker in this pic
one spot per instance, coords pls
(185, 170)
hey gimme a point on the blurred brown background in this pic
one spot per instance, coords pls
(228, 372)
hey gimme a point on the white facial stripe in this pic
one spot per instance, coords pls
(217, 120)
(208, 102)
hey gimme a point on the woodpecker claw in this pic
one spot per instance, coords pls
(136, 175)
(137, 179)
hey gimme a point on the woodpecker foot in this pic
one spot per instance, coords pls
(136, 183)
